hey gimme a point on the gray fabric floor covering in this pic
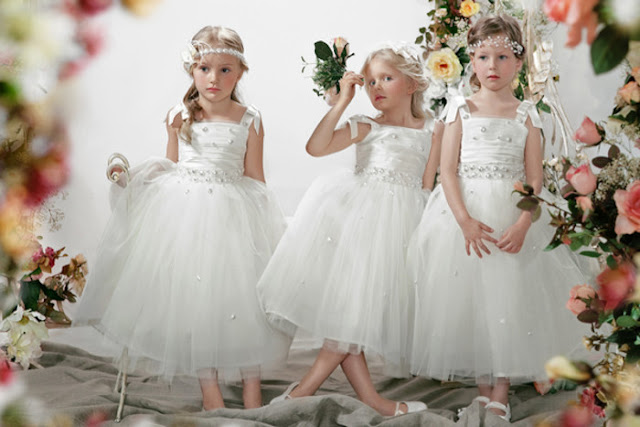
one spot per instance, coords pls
(77, 383)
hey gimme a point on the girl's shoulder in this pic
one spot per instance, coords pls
(467, 109)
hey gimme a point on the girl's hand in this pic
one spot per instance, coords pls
(348, 84)
(513, 237)
(475, 232)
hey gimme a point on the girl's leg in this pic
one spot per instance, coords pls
(326, 362)
(211, 394)
(357, 372)
(500, 393)
(484, 389)
(251, 393)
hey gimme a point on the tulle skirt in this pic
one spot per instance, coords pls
(176, 273)
(500, 316)
(338, 272)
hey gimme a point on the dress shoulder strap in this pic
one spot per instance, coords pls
(251, 115)
(455, 104)
(528, 109)
(360, 118)
(178, 109)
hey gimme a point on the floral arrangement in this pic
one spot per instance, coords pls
(444, 43)
(330, 66)
(619, 22)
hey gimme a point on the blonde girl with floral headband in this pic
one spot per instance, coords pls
(338, 273)
(489, 300)
(189, 237)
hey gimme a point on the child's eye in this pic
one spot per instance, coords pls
(204, 68)
(372, 82)
(482, 57)
(503, 56)
(226, 70)
(388, 79)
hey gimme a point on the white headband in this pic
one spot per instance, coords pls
(192, 52)
(499, 41)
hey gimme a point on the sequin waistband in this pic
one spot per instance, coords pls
(391, 176)
(211, 175)
(490, 171)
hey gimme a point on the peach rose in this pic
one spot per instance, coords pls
(588, 132)
(577, 14)
(635, 73)
(630, 92)
(444, 65)
(628, 205)
(340, 43)
(576, 295)
(616, 285)
(586, 205)
(582, 179)
(468, 8)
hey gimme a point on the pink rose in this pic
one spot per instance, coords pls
(577, 14)
(588, 400)
(576, 295)
(586, 205)
(91, 37)
(340, 43)
(582, 179)
(628, 205)
(588, 132)
(576, 416)
(630, 92)
(616, 285)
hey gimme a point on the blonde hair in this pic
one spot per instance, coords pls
(214, 37)
(411, 68)
(490, 26)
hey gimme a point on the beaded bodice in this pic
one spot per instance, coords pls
(216, 150)
(492, 147)
(392, 153)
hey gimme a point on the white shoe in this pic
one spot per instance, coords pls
(284, 396)
(412, 406)
(506, 408)
(481, 399)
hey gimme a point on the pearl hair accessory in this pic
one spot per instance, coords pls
(498, 41)
(198, 49)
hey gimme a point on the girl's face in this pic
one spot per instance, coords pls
(495, 66)
(387, 87)
(215, 76)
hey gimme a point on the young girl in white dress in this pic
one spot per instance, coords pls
(338, 272)
(177, 268)
(489, 301)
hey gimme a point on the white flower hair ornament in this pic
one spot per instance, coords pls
(408, 51)
(197, 49)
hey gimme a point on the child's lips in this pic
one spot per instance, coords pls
(379, 97)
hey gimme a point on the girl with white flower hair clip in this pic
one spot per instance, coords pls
(175, 281)
(489, 300)
(339, 270)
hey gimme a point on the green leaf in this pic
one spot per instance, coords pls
(611, 262)
(600, 161)
(29, 294)
(588, 316)
(422, 30)
(551, 246)
(627, 322)
(609, 49)
(51, 294)
(536, 214)
(633, 355)
(419, 39)
(635, 313)
(590, 254)
(614, 151)
(575, 245)
(543, 107)
(528, 203)
(323, 51)
(9, 93)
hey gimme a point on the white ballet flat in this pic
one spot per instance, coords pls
(481, 399)
(506, 408)
(284, 396)
(412, 406)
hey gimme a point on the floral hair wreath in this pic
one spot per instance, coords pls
(408, 51)
(198, 49)
(498, 41)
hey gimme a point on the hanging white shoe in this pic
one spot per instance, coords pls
(412, 406)
(481, 399)
(284, 396)
(506, 408)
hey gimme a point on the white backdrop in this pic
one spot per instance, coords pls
(122, 98)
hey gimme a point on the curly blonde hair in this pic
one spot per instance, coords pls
(214, 37)
(413, 69)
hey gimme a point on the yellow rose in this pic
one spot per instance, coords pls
(444, 65)
(140, 7)
(468, 8)
(561, 367)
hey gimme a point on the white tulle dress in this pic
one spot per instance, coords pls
(503, 315)
(338, 272)
(176, 270)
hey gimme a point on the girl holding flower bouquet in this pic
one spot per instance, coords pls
(178, 265)
(338, 273)
(489, 301)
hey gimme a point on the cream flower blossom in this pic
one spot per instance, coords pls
(26, 330)
(444, 65)
(468, 8)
